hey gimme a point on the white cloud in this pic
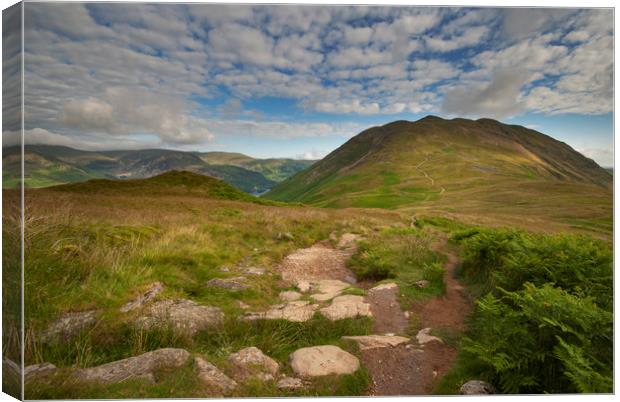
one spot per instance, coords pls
(603, 156)
(311, 155)
(498, 98)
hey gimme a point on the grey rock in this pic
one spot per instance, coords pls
(422, 283)
(377, 341)
(236, 283)
(324, 360)
(290, 383)
(186, 316)
(477, 387)
(253, 363)
(285, 236)
(290, 295)
(295, 311)
(69, 324)
(254, 271)
(142, 366)
(425, 337)
(348, 306)
(153, 290)
(37, 371)
(212, 377)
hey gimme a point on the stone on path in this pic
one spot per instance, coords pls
(348, 306)
(236, 283)
(295, 311)
(253, 363)
(69, 324)
(384, 286)
(477, 387)
(290, 383)
(290, 295)
(327, 289)
(323, 360)
(377, 341)
(153, 290)
(38, 370)
(425, 337)
(183, 315)
(142, 366)
(212, 377)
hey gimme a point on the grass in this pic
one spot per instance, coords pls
(404, 256)
(102, 248)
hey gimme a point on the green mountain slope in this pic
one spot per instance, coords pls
(458, 166)
(48, 165)
(170, 183)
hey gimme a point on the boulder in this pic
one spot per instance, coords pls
(142, 366)
(327, 289)
(290, 295)
(290, 383)
(186, 316)
(425, 337)
(295, 311)
(212, 377)
(253, 363)
(348, 306)
(69, 324)
(152, 291)
(236, 283)
(377, 341)
(37, 371)
(318, 361)
(477, 387)
(384, 287)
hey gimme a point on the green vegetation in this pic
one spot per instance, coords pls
(544, 319)
(47, 165)
(403, 256)
(476, 170)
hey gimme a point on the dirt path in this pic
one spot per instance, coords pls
(416, 369)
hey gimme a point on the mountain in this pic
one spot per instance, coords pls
(459, 166)
(47, 165)
(170, 183)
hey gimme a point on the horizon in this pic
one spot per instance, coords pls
(298, 81)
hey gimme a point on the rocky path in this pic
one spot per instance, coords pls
(415, 368)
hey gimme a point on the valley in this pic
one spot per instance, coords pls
(393, 254)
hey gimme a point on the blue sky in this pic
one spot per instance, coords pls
(298, 81)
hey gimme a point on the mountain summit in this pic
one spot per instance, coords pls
(454, 165)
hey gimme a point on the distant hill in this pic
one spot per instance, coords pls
(47, 165)
(172, 182)
(457, 166)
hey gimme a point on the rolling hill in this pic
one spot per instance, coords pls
(482, 169)
(47, 165)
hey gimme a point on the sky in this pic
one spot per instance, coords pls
(299, 81)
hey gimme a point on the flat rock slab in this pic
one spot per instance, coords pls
(142, 366)
(348, 306)
(319, 361)
(327, 289)
(253, 363)
(290, 295)
(153, 290)
(377, 341)
(321, 261)
(186, 316)
(69, 324)
(212, 377)
(384, 287)
(295, 311)
(236, 283)
(290, 383)
(37, 371)
(425, 337)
